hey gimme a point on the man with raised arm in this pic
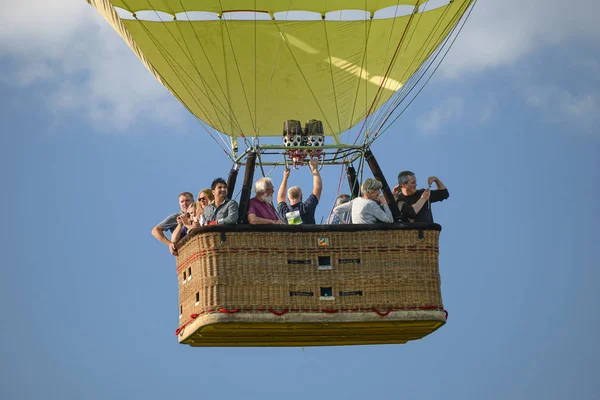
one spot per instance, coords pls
(415, 205)
(170, 223)
(305, 209)
(260, 209)
(220, 211)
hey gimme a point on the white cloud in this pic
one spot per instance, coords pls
(580, 110)
(500, 33)
(94, 72)
(70, 46)
(450, 111)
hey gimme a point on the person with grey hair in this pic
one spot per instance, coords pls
(260, 210)
(367, 209)
(346, 218)
(415, 205)
(299, 211)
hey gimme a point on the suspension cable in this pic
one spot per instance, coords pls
(381, 132)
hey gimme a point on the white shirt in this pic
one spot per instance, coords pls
(365, 211)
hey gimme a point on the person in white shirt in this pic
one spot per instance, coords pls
(368, 209)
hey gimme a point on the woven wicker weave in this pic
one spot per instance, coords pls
(242, 276)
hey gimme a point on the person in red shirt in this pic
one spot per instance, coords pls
(260, 210)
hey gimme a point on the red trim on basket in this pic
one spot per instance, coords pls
(324, 310)
(226, 311)
(382, 314)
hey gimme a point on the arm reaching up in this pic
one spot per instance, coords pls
(317, 182)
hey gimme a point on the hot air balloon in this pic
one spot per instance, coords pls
(333, 73)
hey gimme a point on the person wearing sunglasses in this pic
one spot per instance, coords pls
(205, 196)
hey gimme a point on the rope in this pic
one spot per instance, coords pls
(193, 61)
(164, 54)
(335, 136)
(414, 79)
(381, 132)
(237, 67)
(268, 92)
(366, 66)
(171, 60)
(337, 110)
(212, 69)
(385, 76)
(384, 110)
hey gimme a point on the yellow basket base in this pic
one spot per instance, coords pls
(310, 328)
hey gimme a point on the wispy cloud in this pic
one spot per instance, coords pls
(500, 33)
(580, 110)
(92, 72)
(69, 46)
(448, 112)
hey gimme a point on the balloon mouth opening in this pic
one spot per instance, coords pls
(394, 11)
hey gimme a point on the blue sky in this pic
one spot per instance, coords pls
(94, 152)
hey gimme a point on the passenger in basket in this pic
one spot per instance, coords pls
(260, 210)
(205, 196)
(220, 211)
(367, 209)
(298, 211)
(185, 222)
(415, 205)
(170, 223)
(346, 217)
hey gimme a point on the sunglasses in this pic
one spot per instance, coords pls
(202, 199)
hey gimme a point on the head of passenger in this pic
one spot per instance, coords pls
(185, 199)
(205, 196)
(371, 188)
(219, 190)
(295, 195)
(264, 190)
(191, 212)
(407, 181)
(341, 199)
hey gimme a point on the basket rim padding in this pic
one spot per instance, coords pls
(247, 228)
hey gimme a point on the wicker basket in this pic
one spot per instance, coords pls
(308, 285)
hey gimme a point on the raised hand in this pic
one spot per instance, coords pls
(314, 163)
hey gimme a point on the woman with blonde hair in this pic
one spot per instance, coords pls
(366, 209)
(205, 196)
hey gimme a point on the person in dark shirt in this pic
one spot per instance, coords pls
(306, 209)
(415, 205)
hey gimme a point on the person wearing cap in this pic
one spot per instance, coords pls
(368, 209)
